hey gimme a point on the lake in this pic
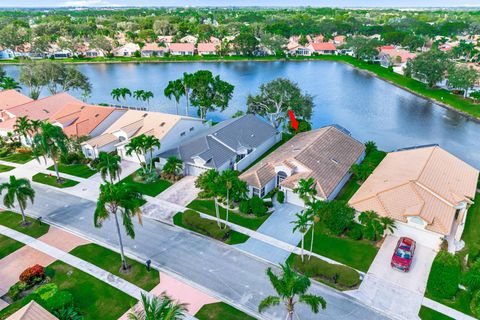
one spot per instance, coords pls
(371, 109)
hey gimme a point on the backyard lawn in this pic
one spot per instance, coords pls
(5, 168)
(13, 221)
(20, 158)
(51, 180)
(8, 245)
(221, 311)
(78, 170)
(110, 261)
(429, 314)
(150, 189)
(208, 207)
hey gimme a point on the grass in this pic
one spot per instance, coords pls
(51, 180)
(20, 158)
(79, 170)
(471, 233)
(110, 261)
(14, 307)
(8, 245)
(429, 314)
(208, 207)
(150, 189)
(460, 302)
(357, 254)
(234, 237)
(94, 298)
(4, 168)
(221, 311)
(13, 221)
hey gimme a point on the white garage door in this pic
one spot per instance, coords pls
(424, 237)
(194, 171)
(293, 198)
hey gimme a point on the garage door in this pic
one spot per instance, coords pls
(293, 198)
(424, 237)
(194, 171)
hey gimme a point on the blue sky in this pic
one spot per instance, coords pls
(336, 3)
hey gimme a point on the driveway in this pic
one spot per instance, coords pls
(397, 293)
(181, 192)
(277, 226)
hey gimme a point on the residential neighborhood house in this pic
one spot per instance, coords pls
(10, 99)
(127, 50)
(182, 49)
(153, 50)
(208, 48)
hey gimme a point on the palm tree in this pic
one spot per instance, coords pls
(187, 82)
(373, 225)
(120, 93)
(22, 127)
(291, 289)
(173, 165)
(302, 224)
(314, 209)
(50, 142)
(150, 143)
(388, 224)
(174, 89)
(159, 308)
(119, 199)
(147, 95)
(307, 192)
(109, 164)
(8, 83)
(137, 146)
(19, 189)
(138, 94)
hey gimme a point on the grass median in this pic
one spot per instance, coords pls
(221, 311)
(51, 180)
(79, 170)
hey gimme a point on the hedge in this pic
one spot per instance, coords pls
(444, 276)
(204, 226)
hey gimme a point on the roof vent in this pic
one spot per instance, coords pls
(334, 160)
(145, 114)
(252, 135)
(162, 124)
(46, 111)
(96, 116)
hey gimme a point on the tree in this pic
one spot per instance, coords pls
(8, 83)
(101, 43)
(374, 226)
(302, 224)
(207, 182)
(475, 95)
(61, 77)
(462, 77)
(274, 43)
(143, 95)
(364, 48)
(150, 143)
(158, 308)
(174, 89)
(245, 43)
(229, 186)
(429, 67)
(19, 189)
(464, 50)
(120, 93)
(337, 216)
(307, 191)
(12, 36)
(3, 74)
(142, 145)
(276, 98)
(188, 80)
(413, 42)
(314, 211)
(173, 165)
(31, 75)
(22, 127)
(50, 142)
(119, 200)
(291, 289)
(109, 164)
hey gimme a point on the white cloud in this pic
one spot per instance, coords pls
(89, 3)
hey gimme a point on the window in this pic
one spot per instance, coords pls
(191, 129)
(457, 213)
(262, 192)
(280, 177)
(182, 134)
(255, 192)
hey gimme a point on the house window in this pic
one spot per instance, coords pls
(182, 134)
(191, 129)
(255, 192)
(262, 192)
(280, 177)
(457, 213)
(89, 152)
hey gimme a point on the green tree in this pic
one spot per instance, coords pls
(119, 200)
(122, 93)
(245, 43)
(364, 48)
(150, 143)
(158, 308)
(23, 127)
(429, 67)
(207, 182)
(337, 216)
(372, 227)
(20, 190)
(274, 43)
(462, 77)
(8, 83)
(176, 90)
(307, 191)
(173, 166)
(31, 75)
(109, 164)
(291, 289)
(229, 186)
(302, 224)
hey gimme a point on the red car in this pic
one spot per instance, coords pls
(403, 256)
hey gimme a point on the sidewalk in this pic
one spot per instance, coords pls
(457, 315)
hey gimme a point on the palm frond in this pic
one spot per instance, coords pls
(268, 302)
(313, 301)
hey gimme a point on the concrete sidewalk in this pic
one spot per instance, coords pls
(452, 313)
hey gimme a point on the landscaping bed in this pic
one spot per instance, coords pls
(20, 158)
(13, 221)
(151, 189)
(51, 180)
(110, 261)
(8, 246)
(221, 311)
(5, 168)
(79, 170)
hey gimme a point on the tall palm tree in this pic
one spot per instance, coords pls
(147, 95)
(150, 143)
(19, 189)
(159, 308)
(373, 225)
(302, 224)
(50, 141)
(109, 164)
(137, 146)
(314, 210)
(188, 80)
(138, 94)
(174, 89)
(23, 127)
(8, 83)
(119, 200)
(291, 289)
(307, 192)
(116, 94)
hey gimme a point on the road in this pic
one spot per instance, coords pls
(230, 274)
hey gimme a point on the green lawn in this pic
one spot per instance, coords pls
(234, 238)
(13, 221)
(429, 314)
(78, 170)
(95, 298)
(150, 189)
(208, 207)
(460, 302)
(357, 254)
(471, 233)
(110, 261)
(8, 245)
(51, 180)
(4, 168)
(221, 311)
(20, 158)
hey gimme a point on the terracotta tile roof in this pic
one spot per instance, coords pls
(394, 53)
(207, 47)
(81, 119)
(153, 47)
(325, 154)
(427, 182)
(181, 47)
(32, 311)
(12, 98)
(323, 46)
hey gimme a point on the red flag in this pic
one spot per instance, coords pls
(293, 120)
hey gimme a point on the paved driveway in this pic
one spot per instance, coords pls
(392, 291)
(181, 192)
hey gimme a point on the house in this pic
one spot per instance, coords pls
(79, 119)
(153, 50)
(396, 58)
(32, 311)
(165, 39)
(61, 54)
(427, 190)
(324, 154)
(296, 49)
(182, 49)
(231, 144)
(208, 48)
(94, 53)
(339, 40)
(215, 40)
(169, 129)
(12, 98)
(189, 39)
(322, 48)
(7, 54)
(318, 39)
(127, 50)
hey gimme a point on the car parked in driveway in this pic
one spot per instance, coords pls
(403, 255)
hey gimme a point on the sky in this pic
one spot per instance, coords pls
(317, 3)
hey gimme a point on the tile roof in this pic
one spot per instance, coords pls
(12, 98)
(207, 47)
(323, 46)
(32, 311)
(153, 47)
(325, 154)
(394, 53)
(181, 47)
(427, 182)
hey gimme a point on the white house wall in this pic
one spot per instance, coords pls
(344, 180)
(107, 122)
(258, 152)
(422, 236)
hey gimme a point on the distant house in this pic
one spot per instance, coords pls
(322, 48)
(127, 50)
(61, 54)
(339, 40)
(169, 129)
(215, 40)
(325, 154)
(208, 48)
(296, 49)
(426, 190)
(182, 49)
(396, 58)
(7, 54)
(153, 50)
(94, 53)
(32, 311)
(165, 39)
(231, 144)
(189, 39)
(317, 39)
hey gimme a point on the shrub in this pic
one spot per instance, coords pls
(47, 291)
(257, 206)
(337, 216)
(280, 196)
(16, 289)
(4, 152)
(23, 150)
(204, 226)
(355, 231)
(475, 304)
(68, 313)
(444, 276)
(244, 207)
(72, 158)
(61, 299)
(33, 275)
